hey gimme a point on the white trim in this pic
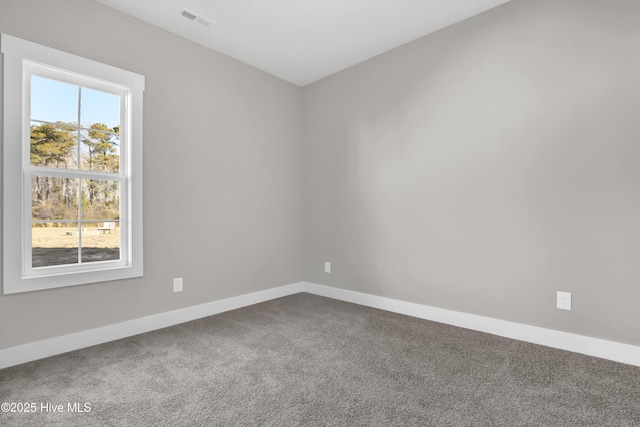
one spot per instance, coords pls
(58, 345)
(617, 352)
(611, 350)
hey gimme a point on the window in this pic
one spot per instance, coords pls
(73, 169)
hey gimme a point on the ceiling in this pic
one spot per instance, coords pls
(302, 41)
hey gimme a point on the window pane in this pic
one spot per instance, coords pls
(100, 149)
(53, 101)
(101, 237)
(100, 107)
(54, 198)
(54, 146)
(54, 244)
(100, 241)
(100, 200)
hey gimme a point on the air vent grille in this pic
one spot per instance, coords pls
(196, 17)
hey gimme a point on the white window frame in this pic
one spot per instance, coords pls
(22, 59)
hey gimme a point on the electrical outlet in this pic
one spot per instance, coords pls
(177, 284)
(563, 300)
(327, 267)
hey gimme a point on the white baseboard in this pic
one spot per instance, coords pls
(611, 350)
(58, 345)
(604, 349)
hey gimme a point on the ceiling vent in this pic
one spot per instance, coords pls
(196, 17)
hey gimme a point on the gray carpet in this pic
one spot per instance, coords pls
(308, 360)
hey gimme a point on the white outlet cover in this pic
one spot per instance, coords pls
(563, 301)
(177, 285)
(327, 267)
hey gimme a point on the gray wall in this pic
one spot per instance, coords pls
(479, 169)
(222, 171)
(486, 166)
